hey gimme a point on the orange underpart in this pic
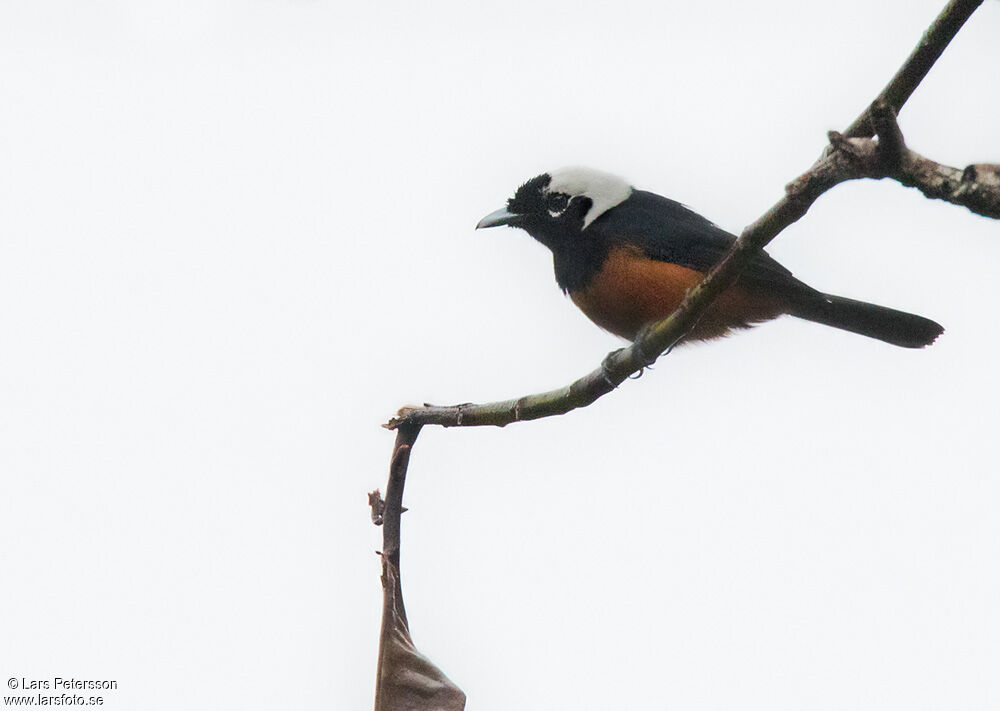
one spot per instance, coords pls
(632, 290)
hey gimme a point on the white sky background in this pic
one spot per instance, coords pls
(236, 236)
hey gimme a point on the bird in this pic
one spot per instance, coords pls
(628, 257)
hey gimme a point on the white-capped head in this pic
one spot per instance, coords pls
(604, 189)
(558, 205)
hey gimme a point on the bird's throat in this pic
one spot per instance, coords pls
(577, 264)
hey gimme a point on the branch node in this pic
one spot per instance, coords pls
(891, 145)
(606, 368)
(402, 417)
(796, 186)
(840, 142)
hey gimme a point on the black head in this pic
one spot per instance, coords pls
(556, 208)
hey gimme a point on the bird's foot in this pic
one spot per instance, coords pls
(643, 354)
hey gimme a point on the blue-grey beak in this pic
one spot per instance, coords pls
(497, 218)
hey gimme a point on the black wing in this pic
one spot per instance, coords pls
(668, 231)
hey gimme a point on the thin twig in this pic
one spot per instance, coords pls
(392, 509)
(919, 63)
(390, 513)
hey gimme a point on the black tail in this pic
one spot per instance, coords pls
(896, 327)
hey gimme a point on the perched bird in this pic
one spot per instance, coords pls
(627, 257)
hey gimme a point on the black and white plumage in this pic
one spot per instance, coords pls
(627, 257)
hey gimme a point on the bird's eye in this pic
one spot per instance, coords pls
(557, 202)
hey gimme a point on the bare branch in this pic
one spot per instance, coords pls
(921, 59)
(405, 679)
(392, 507)
(976, 187)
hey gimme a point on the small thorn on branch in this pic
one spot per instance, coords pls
(377, 505)
(840, 142)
